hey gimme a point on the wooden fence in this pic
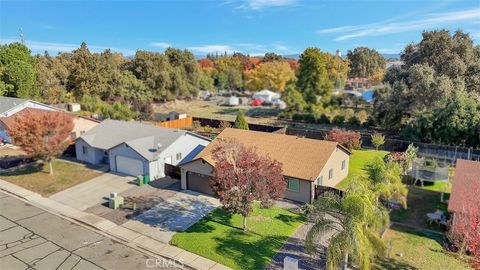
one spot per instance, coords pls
(178, 123)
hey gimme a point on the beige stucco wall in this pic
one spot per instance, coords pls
(82, 125)
(198, 166)
(305, 193)
(335, 163)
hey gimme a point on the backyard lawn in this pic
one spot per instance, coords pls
(358, 160)
(35, 177)
(411, 249)
(220, 237)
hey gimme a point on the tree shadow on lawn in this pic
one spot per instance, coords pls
(218, 215)
(290, 219)
(389, 263)
(27, 169)
(437, 237)
(247, 253)
(419, 203)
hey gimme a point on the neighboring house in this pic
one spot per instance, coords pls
(82, 124)
(266, 95)
(307, 163)
(12, 107)
(134, 149)
(464, 198)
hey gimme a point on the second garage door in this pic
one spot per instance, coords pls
(129, 166)
(199, 182)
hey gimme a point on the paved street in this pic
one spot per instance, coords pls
(31, 238)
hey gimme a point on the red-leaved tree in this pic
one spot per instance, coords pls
(464, 231)
(241, 176)
(349, 139)
(42, 135)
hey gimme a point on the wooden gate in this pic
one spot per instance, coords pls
(172, 171)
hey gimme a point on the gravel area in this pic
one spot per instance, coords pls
(145, 198)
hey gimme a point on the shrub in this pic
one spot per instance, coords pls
(309, 118)
(323, 119)
(240, 121)
(338, 120)
(349, 139)
(353, 121)
(377, 140)
(297, 117)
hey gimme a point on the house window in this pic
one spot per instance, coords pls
(73, 135)
(84, 150)
(82, 132)
(343, 165)
(320, 180)
(293, 184)
(330, 174)
(179, 156)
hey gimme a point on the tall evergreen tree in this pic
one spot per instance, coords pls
(312, 77)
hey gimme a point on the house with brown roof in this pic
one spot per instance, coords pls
(307, 163)
(464, 198)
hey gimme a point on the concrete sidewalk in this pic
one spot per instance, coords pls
(113, 230)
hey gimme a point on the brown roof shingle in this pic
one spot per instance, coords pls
(301, 157)
(466, 179)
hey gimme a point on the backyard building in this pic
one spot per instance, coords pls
(134, 149)
(307, 164)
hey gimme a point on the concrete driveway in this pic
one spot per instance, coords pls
(95, 191)
(177, 213)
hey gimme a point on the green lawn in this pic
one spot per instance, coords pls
(358, 160)
(408, 249)
(219, 237)
(35, 177)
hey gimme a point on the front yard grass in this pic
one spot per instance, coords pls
(358, 160)
(409, 249)
(219, 236)
(35, 177)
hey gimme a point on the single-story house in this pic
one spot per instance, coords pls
(12, 107)
(464, 197)
(307, 163)
(135, 149)
(266, 95)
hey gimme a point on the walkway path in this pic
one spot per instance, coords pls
(113, 230)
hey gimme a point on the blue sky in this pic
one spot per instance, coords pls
(249, 26)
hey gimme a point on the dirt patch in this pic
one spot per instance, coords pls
(260, 218)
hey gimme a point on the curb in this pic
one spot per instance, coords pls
(115, 232)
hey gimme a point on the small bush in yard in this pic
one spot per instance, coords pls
(349, 139)
(323, 119)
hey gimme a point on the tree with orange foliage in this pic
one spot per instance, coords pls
(42, 135)
(205, 63)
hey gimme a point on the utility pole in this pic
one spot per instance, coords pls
(22, 38)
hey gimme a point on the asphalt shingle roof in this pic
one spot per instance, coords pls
(8, 103)
(301, 157)
(148, 140)
(466, 180)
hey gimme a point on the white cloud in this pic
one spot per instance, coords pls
(261, 4)
(51, 47)
(160, 44)
(381, 28)
(211, 48)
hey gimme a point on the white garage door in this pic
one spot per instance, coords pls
(130, 166)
